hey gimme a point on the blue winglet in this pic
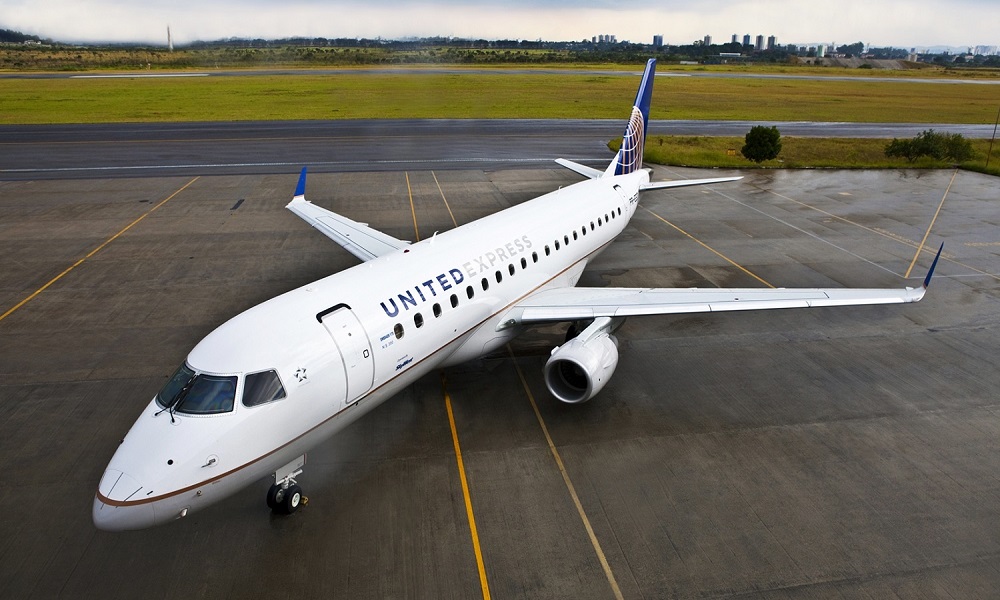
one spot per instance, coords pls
(930, 273)
(300, 189)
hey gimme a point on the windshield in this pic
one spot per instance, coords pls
(200, 394)
(168, 395)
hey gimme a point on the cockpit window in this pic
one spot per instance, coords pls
(261, 388)
(209, 394)
(168, 395)
(198, 394)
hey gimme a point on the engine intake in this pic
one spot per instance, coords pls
(578, 369)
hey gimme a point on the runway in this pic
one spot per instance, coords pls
(188, 149)
(445, 70)
(788, 454)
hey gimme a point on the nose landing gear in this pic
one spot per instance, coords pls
(285, 496)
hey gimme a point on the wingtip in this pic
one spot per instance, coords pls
(930, 273)
(300, 189)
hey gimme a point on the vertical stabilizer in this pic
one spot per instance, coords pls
(629, 157)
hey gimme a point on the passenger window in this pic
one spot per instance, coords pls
(619, 211)
(557, 244)
(599, 222)
(524, 262)
(605, 218)
(261, 388)
(591, 227)
(499, 276)
(574, 235)
(470, 292)
(398, 330)
(437, 310)
(566, 240)
(418, 320)
(547, 251)
(486, 284)
(534, 257)
(510, 269)
(454, 301)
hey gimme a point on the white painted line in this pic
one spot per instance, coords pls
(139, 76)
(282, 164)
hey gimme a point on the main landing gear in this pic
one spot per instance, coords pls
(285, 496)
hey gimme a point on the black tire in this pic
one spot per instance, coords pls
(274, 495)
(292, 499)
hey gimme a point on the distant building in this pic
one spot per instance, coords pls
(760, 43)
(772, 43)
(708, 40)
(735, 39)
(821, 51)
(593, 40)
(657, 41)
(746, 40)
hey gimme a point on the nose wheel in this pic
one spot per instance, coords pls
(285, 500)
(285, 496)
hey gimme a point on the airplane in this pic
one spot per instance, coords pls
(271, 383)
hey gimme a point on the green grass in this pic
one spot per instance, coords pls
(837, 153)
(497, 94)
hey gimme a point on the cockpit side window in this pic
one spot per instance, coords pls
(208, 394)
(261, 388)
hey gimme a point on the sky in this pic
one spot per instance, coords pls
(899, 23)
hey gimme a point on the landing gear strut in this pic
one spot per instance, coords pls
(285, 496)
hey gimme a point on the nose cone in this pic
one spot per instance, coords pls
(116, 506)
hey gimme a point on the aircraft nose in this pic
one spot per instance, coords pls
(112, 509)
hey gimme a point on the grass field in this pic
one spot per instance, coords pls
(350, 95)
(839, 153)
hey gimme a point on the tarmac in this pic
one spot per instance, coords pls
(826, 453)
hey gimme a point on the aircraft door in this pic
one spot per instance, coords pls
(355, 349)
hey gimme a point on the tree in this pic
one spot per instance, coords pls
(762, 143)
(854, 49)
(940, 146)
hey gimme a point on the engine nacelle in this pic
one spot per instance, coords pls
(578, 369)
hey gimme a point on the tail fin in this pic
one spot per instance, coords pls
(629, 157)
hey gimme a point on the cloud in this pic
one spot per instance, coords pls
(888, 22)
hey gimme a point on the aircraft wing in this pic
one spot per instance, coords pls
(357, 238)
(572, 304)
(576, 304)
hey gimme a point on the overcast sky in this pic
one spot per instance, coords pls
(901, 23)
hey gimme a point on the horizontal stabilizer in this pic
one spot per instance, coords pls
(662, 185)
(584, 170)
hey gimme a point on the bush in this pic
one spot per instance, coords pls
(762, 143)
(940, 146)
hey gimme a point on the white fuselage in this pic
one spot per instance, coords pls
(345, 343)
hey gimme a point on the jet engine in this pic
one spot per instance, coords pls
(578, 369)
